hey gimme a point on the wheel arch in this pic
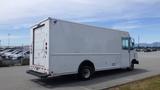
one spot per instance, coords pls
(134, 61)
(86, 63)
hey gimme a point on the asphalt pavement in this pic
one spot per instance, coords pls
(15, 78)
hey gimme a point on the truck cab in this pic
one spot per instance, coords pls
(128, 49)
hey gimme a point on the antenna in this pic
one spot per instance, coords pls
(0, 43)
(138, 40)
(8, 39)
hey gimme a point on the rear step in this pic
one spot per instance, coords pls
(38, 74)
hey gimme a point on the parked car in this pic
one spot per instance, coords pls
(17, 55)
(148, 50)
(154, 49)
(6, 51)
(7, 55)
(2, 51)
(26, 54)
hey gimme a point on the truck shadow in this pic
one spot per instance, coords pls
(99, 77)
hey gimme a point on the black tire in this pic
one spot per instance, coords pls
(85, 72)
(131, 68)
(19, 58)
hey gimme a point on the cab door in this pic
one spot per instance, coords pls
(125, 55)
(131, 49)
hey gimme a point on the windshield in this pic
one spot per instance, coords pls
(10, 50)
(15, 51)
(27, 52)
(18, 52)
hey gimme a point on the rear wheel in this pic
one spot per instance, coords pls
(85, 72)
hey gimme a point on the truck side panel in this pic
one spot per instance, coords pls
(72, 43)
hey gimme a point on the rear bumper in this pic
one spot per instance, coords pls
(38, 74)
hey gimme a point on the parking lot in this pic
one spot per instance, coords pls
(15, 55)
(15, 78)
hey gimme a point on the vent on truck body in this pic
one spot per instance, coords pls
(38, 26)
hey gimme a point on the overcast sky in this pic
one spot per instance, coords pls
(139, 17)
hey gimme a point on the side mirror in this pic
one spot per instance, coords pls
(132, 43)
(132, 48)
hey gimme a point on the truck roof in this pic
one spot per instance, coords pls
(49, 18)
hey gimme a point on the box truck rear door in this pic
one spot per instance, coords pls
(40, 46)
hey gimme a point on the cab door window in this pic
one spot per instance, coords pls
(125, 43)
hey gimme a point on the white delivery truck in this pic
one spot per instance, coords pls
(61, 48)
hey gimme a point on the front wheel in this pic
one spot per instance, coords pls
(85, 72)
(131, 68)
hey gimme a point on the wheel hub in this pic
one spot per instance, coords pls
(86, 73)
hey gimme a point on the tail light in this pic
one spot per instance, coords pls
(31, 49)
(46, 47)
